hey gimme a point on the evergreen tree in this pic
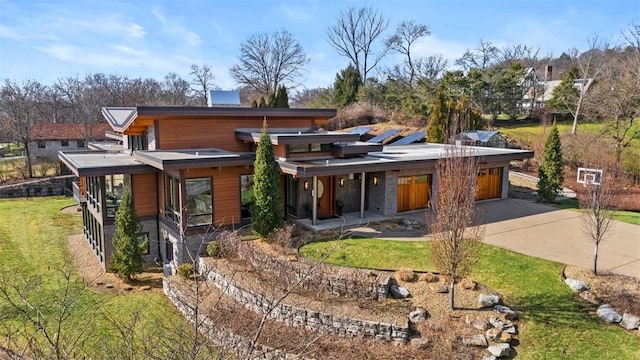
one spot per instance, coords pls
(346, 86)
(271, 100)
(550, 171)
(254, 104)
(438, 119)
(282, 98)
(262, 103)
(127, 258)
(267, 210)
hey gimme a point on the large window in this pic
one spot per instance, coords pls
(138, 142)
(246, 195)
(304, 148)
(199, 207)
(94, 193)
(172, 198)
(114, 188)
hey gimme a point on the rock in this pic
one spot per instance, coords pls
(477, 323)
(512, 330)
(421, 343)
(488, 300)
(442, 289)
(475, 340)
(489, 358)
(127, 287)
(500, 350)
(145, 288)
(418, 315)
(591, 297)
(576, 285)
(108, 285)
(468, 284)
(508, 313)
(630, 322)
(429, 277)
(493, 334)
(399, 292)
(606, 313)
(496, 323)
(504, 338)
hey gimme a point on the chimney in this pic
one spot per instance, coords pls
(548, 72)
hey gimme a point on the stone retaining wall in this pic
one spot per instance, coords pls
(336, 280)
(53, 186)
(236, 344)
(297, 316)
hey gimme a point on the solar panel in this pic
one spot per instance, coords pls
(384, 136)
(360, 130)
(411, 138)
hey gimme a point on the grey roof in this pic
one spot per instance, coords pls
(223, 98)
(193, 158)
(100, 162)
(119, 116)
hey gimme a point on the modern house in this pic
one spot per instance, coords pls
(46, 139)
(190, 169)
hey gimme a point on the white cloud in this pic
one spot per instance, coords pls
(432, 45)
(111, 25)
(297, 15)
(175, 28)
(16, 33)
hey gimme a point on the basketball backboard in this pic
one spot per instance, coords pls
(589, 176)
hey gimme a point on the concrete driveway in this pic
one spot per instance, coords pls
(550, 233)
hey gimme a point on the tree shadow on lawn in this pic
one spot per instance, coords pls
(557, 310)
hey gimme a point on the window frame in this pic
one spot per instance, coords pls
(209, 202)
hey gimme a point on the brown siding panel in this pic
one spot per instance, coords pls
(215, 133)
(144, 192)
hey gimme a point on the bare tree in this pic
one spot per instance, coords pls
(407, 33)
(354, 35)
(455, 233)
(268, 60)
(202, 81)
(175, 90)
(598, 198)
(482, 57)
(590, 65)
(21, 103)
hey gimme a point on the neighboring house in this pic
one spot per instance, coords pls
(539, 92)
(46, 139)
(490, 138)
(190, 169)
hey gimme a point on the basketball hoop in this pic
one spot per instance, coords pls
(588, 176)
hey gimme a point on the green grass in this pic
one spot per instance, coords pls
(555, 324)
(629, 217)
(528, 132)
(33, 246)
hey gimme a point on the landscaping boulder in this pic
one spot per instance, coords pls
(442, 289)
(496, 323)
(418, 315)
(504, 338)
(630, 322)
(591, 297)
(606, 313)
(468, 284)
(399, 292)
(421, 343)
(508, 313)
(500, 350)
(477, 323)
(475, 340)
(576, 285)
(493, 334)
(429, 277)
(489, 358)
(511, 329)
(488, 300)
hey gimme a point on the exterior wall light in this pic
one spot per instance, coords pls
(342, 182)
(375, 181)
(306, 185)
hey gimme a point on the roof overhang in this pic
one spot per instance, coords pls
(280, 137)
(193, 158)
(397, 158)
(102, 162)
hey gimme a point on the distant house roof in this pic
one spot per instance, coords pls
(57, 131)
(223, 98)
(549, 86)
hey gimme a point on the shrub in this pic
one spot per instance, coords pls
(229, 242)
(186, 270)
(405, 275)
(213, 249)
(429, 277)
(282, 237)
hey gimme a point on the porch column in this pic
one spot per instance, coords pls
(363, 182)
(314, 201)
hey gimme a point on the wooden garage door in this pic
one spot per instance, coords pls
(488, 183)
(413, 192)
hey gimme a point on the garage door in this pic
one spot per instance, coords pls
(413, 192)
(489, 184)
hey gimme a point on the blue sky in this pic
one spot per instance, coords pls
(51, 39)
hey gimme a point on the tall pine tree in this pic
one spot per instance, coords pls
(550, 171)
(267, 208)
(345, 88)
(282, 98)
(127, 258)
(438, 119)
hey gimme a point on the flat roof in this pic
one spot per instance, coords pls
(101, 162)
(106, 146)
(396, 158)
(193, 158)
(283, 136)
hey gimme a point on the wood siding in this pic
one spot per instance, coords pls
(413, 192)
(144, 194)
(215, 133)
(489, 183)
